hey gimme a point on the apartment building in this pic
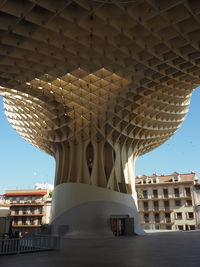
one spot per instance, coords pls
(4, 217)
(167, 201)
(196, 189)
(28, 209)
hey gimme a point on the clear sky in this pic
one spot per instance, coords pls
(22, 165)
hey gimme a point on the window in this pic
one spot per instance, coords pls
(165, 192)
(154, 181)
(32, 220)
(24, 211)
(177, 203)
(188, 202)
(15, 221)
(155, 204)
(166, 205)
(192, 227)
(145, 194)
(157, 227)
(155, 193)
(146, 217)
(176, 179)
(146, 205)
(176, 192)
(190, 215)
(188, 191)
(24, 221)
(17, 211)
(167, 217)
(179, 215)
(168, 227)
(157, 217)
(39, 221)
(40, 210)
(180, 227)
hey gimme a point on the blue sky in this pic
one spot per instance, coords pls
(22, 165)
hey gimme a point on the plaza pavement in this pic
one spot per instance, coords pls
(172, 249)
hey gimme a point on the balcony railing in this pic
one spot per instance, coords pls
(24, 203)
(177, 195)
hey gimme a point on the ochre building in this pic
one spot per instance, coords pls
(28, 210)
(167, 202)
(96, 84)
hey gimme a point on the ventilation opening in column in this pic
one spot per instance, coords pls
(90, 157)
(109, 157)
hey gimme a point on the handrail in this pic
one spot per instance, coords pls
(22, 245)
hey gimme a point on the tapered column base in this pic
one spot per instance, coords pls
(81, 210)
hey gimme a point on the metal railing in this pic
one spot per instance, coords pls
(22, 245)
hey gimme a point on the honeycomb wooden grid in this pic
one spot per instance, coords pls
(95, 84)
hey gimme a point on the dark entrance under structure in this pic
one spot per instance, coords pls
(122, 225)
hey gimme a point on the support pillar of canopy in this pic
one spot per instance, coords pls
(85, 211)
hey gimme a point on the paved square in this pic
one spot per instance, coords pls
(171, 249)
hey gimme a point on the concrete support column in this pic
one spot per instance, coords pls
(81, 210)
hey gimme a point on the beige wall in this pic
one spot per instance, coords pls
(173, 208)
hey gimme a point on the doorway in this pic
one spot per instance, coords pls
(122, 225)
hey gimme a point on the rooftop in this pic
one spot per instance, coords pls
(26, 192)
(181, 177)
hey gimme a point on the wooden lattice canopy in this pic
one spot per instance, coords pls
(78, 71)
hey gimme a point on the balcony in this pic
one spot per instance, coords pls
(27, 214)
(24, 203)
(26, 225)
(189, 217)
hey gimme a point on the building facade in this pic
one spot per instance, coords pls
(167, 202)
(4, 217)
(196, 189)
(30, 209)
